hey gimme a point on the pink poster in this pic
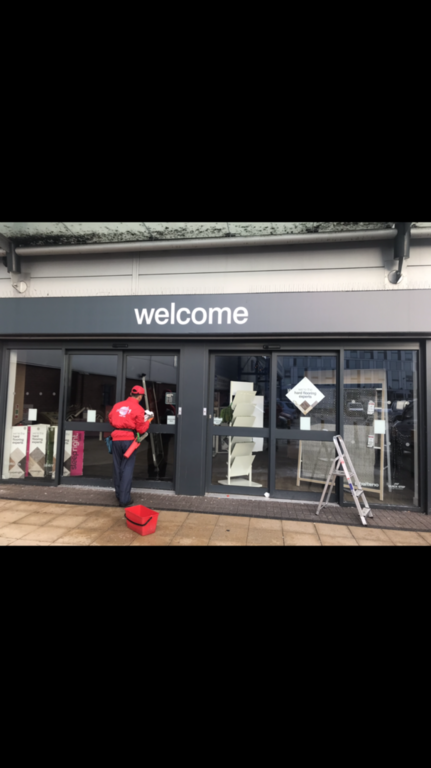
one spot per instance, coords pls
(77, 454)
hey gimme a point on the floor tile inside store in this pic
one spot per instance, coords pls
(27, 523)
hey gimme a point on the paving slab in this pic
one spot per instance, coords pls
(21, 500)
(106, 526)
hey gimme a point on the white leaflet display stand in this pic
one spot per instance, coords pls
(247, 412)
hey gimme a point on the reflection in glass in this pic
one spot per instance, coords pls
(240, 461)
(86, 455)
(320, 370)
(158, 375)
(303, 465)
(241, 391)
(155, 459)
(92, 387)
(381, 423)
(31, 425)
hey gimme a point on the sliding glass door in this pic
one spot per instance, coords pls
(30, 438)
(95, 382)
(272, 421)
(158, 374)
(306, 396)
(91, 391)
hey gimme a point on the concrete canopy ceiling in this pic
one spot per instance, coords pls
(33, 234)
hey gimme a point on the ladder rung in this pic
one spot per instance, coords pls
(357, 491)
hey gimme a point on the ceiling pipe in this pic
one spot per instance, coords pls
(207, 242)
(420, 232)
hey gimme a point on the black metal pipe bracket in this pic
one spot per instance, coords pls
(401, 249)
(11, 260)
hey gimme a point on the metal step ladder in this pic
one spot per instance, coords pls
(342, 467)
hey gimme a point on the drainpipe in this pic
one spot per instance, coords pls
(208, 242)
(401, 250)
(12, 263)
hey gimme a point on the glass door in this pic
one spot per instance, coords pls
(31, 423)
(305, 389)
(239, 417)
(158, 374)
(95, 382)
(91, 390)
(381, 422)
(271, 423)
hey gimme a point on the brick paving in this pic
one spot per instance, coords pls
(214, 505)
(45, 524)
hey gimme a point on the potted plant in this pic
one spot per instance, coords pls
(227, 414)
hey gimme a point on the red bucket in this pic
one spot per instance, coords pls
(141, 520)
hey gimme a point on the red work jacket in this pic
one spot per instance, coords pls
(128, 417)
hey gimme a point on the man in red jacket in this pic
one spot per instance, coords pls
(127, 417)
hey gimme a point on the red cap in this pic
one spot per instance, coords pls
(138, 391)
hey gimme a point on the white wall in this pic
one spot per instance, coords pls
(257, 270)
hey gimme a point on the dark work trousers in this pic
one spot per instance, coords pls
(123, 470)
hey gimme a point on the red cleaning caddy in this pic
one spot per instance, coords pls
(141, 520)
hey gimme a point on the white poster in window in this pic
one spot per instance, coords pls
(371, 407)
(170, 420)
(305, 396)
(91, 415)
(32, 414)
(37, 450)
(18, 452)
(379, 427)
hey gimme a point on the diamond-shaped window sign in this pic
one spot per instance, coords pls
(305, 396)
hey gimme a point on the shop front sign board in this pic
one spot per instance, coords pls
(220, 314)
